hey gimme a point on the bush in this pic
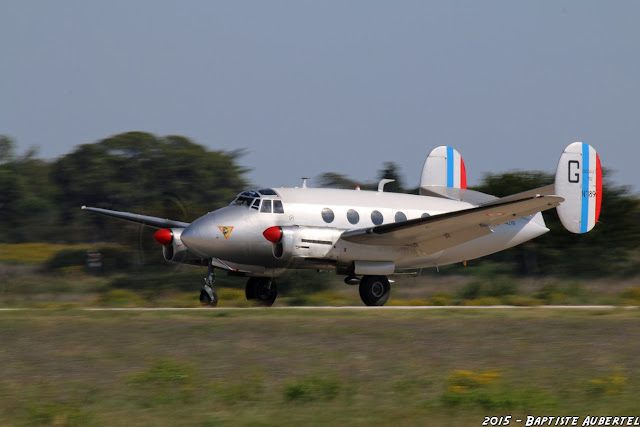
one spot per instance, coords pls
(521, 300)
(493, 287)
(631, 294)
(312, 389)
(485, 390)
(302, 282)
(161, 278)
(113, 258)
(611, 384)
(483, 301)
(164, 382)
(120, 298)
(249, 389)
(441, 299)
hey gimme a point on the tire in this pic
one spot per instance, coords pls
(375, 290)
(266, 292)
(206, 300)
(250, 289)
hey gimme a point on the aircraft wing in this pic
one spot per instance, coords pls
(150, 221)
(439, 232)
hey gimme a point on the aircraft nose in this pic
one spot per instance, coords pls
(199, 237)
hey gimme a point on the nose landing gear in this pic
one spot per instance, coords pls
(208, 295)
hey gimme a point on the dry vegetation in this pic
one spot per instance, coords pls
(315, 367)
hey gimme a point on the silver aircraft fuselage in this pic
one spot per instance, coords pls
(312, 221)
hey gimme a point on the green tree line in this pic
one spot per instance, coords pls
(174, 177)
(169, 177)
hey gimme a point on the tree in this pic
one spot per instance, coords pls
(608, 249)
(336, 180)
(26, 197)
(391, 171)
(7, 146)
(170, 177)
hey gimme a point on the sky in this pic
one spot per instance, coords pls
(307, 87)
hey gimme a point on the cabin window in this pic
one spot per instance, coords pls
(425, 215)
(400, 216)
(266, 206)
(277, 207)
(353, 216)
(376, 217)
(327, 215)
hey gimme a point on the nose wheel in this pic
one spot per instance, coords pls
(208, 295)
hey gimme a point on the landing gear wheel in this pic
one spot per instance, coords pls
(261, 289)
(208, 296)
(374, 290)
(250, 290)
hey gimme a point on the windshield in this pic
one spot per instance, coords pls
(253, 198)
(241, 200)
(246, 198)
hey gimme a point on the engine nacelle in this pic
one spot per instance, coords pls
(174, 250)
(305, 242)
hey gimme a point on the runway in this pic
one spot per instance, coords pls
(385, 308)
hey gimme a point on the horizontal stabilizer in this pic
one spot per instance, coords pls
(579, 182)
(462, 194)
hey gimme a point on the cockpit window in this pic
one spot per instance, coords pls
(253, 198)
(242, 201)
(267, 192)
(277, 207)
(266, 206)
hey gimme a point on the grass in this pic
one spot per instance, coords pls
(33, 253)
(314, 367)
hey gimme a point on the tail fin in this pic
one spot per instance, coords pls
(579, 182)
(444, 167)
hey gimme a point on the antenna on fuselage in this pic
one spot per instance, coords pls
(304, 181)
(384, 182)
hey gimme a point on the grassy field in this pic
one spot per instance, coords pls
(50, 275)
(315, 367)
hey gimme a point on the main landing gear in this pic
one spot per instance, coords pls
(208, 295)
(374, 290)
(263, 290)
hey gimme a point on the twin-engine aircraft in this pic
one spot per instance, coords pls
(369, 235)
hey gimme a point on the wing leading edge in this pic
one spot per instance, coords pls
(438, 232)
(150, 221)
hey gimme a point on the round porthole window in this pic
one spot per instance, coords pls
(425, 215)
(327, 215)
(376, 217)
(400, 216)
(353, 216)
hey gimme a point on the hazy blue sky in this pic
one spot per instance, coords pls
(315, 86)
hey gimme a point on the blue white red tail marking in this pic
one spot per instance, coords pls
(444, 167)
(579, 182)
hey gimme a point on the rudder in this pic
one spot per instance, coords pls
(579, 182)
(444, 167)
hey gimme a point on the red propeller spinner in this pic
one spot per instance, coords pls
(164, 236)
(273, 234)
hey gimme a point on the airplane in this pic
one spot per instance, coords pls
(367, 236)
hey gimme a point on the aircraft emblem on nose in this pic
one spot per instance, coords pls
(226, 230)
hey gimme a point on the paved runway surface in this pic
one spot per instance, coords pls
(430, 307)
